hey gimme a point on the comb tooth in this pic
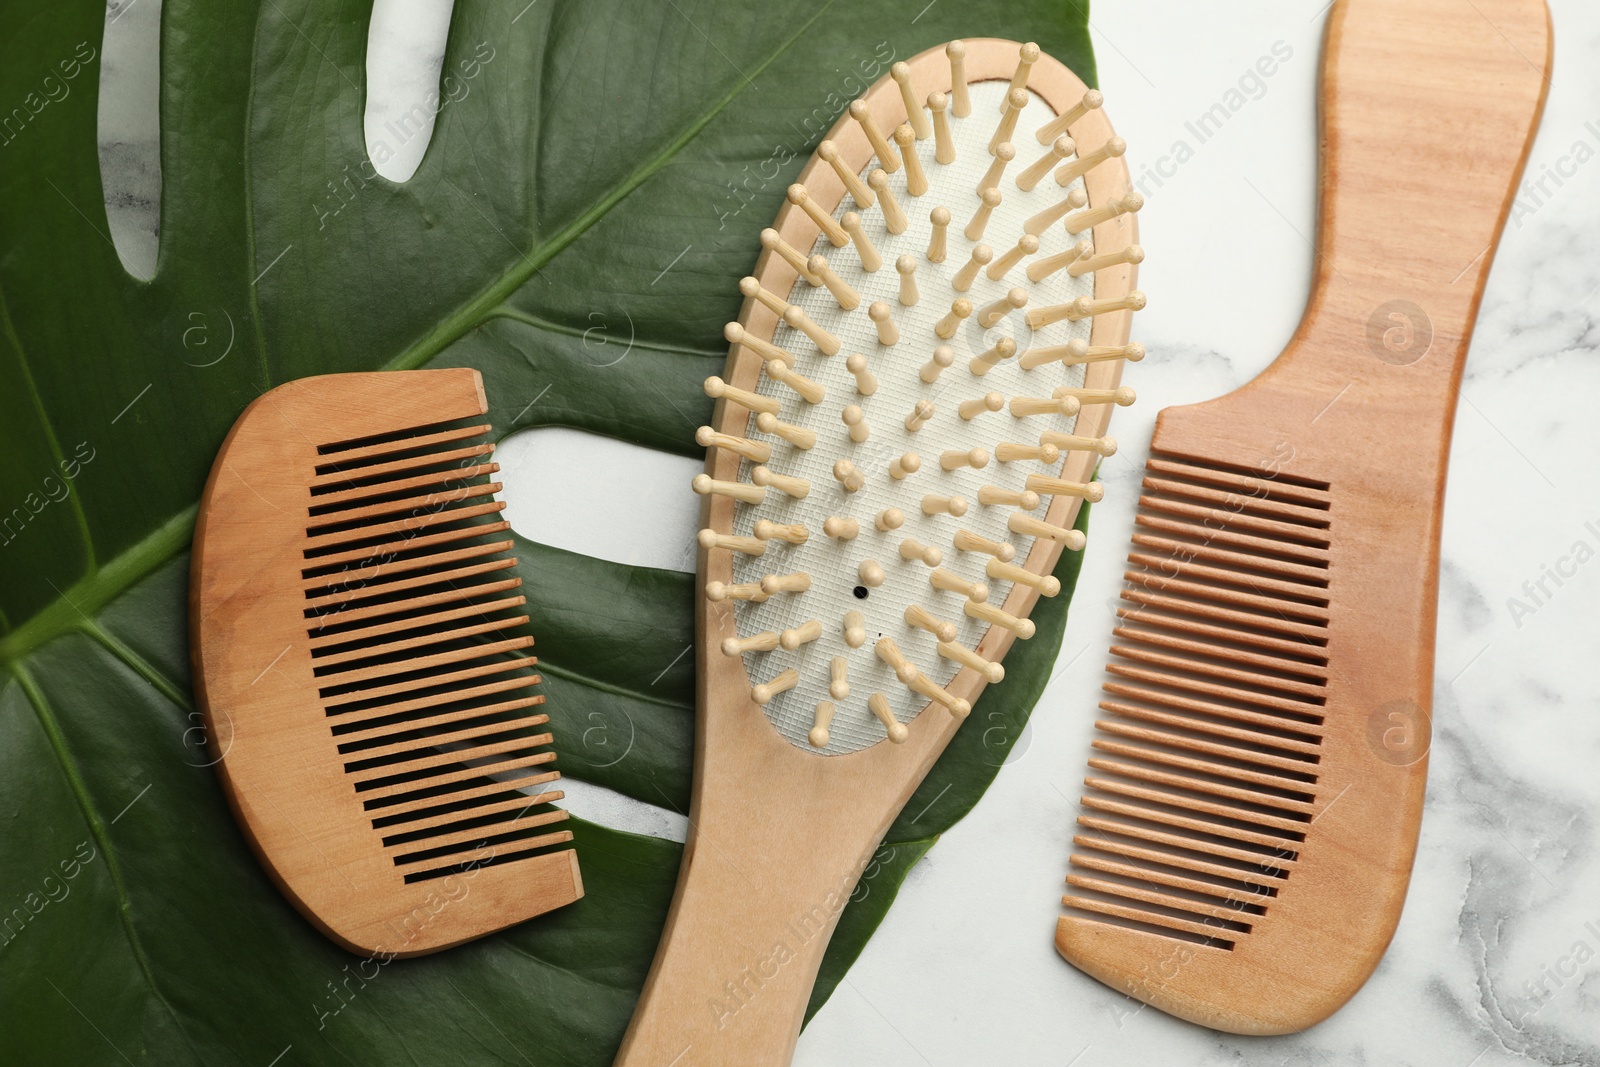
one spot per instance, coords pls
(800, 198)
(333, 539)
(804, 387)
(338, 460)
(751, 289)
(915, 116)
(754, 451)
(1078, 351)
(364, 696)
(383, 721)
(939, 236)
(991, 358)
(1227, 496)
(1211, 857)
(1228, 814)
(323, 641)
(916, 177)
(954, 583)
(448, 760)
(1157, 566)
(1292, 767)
(838, 677)
(1001, 570)
(466, 729)
(717, 389)
(871, 574)
(841, 529)
(1302, 725)
(1279, 844)
(1016, 100)
(1039, 270)
(1133, 254)
(1071, 172)
(1131, 204)
(828, 152)
(353, 577)
(749, 546)
(878, 704)
(332, 679)
(934, 504)
(489, 840)
(1047, 218)
(955, 459)
(1023, 407)
(1011, 452)
(847, 298)
(1067, 442)
(1003, 154)
(398, 813)
(871, 259)
(771, 241)
(803, 634)
(331, 502)
(388, 647)
(919, 416)
(1176, 881)
(1122, 397)
(1027, 56)
(820, 722)
(944, 151)
(798, 436)
(1014, 300)
(889, 519)
(1060, 149)
(1180, 862)
(906, 267)
(705, 485)
(992, 672)
(1151, 632)
(855, 629)
(1148, 754)
(1092, 101)
(912, 550)
(961, 102)
(1282, 806)
(764, 694)
(362, 591)
(1026, 245)
(883, 318)
(888, 158)
(1228, 918)
(943, 357)
(1297, 553)
(894, 217)
(922, 684)
(981, 255)
(1023, 628)
(971, 409)
(505, 807)
(826, 342)
(346, 615)
(1295, 572)
(1093, 492)
(326, 564)
(773, 584)
(466, 774)
(1312, 709)
(946, 327)
(792, 533)
(761, 642)
(1025, 524)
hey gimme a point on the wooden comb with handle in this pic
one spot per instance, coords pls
(358, 643)
(1254, 798)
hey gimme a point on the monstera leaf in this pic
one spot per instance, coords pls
(599, 171)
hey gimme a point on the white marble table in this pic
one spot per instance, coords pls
(1497, 959)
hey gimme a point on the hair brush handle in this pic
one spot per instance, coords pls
(1428, 113)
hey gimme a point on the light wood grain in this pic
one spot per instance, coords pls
(778, 834)
(1258, 779)
(281, 655)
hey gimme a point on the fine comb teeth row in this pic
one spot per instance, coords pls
(1205, 778)
(917, 401)
(362, 645)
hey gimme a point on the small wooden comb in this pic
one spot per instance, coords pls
(907, 428)
(354, 627)
(1256, 790)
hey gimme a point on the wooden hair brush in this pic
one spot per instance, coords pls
(358, 649)
(913, 406)
(1256, 788)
